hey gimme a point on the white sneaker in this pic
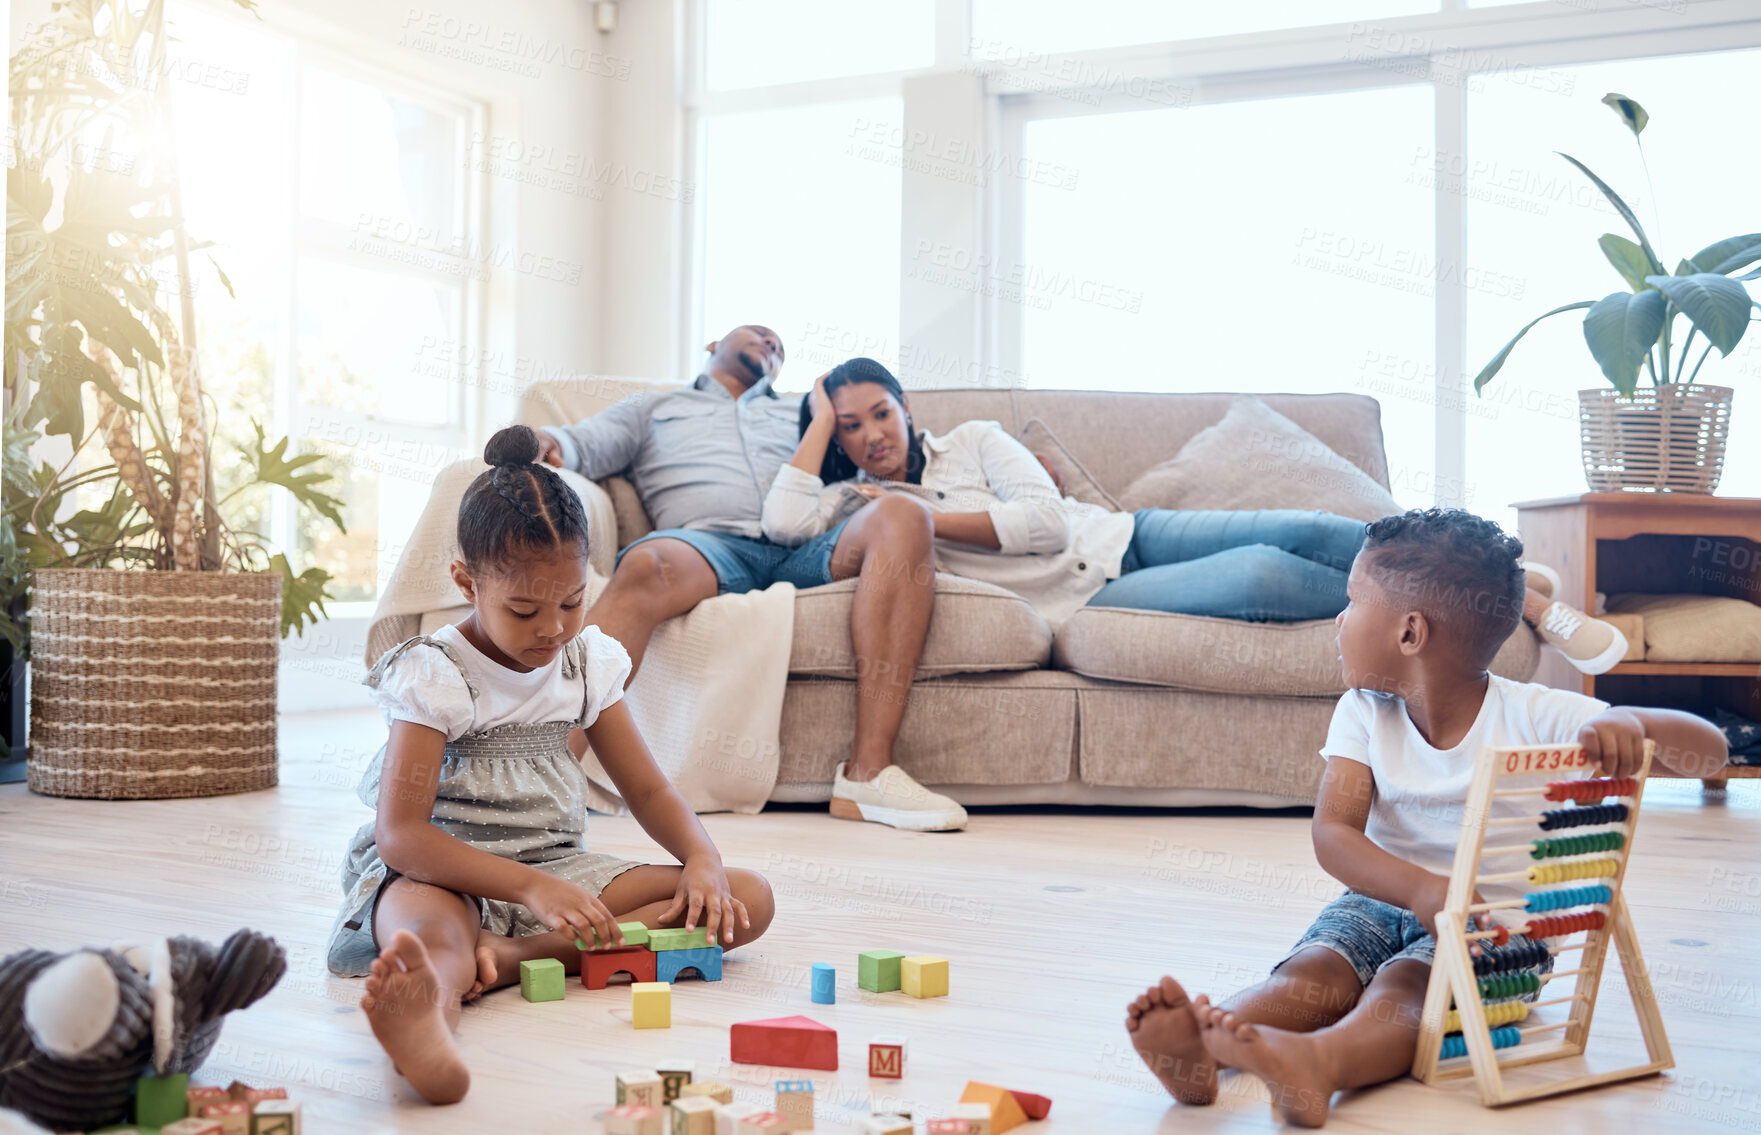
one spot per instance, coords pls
(894, 799)
(1591, 645)
(1542, 578)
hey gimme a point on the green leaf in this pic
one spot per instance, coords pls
(1492, 368)
(1630, 112)
(1717, 305)
(1628, 259)
(273, 466)
(1708, 258)
(302, 595)
(1621, 328)
(1620, 207)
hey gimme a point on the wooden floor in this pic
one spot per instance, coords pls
(1052, 920)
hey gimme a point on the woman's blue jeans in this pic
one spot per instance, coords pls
(1271, 565)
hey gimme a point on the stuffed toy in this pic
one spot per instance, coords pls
(78, 1029)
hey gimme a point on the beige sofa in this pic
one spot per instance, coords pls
(1122, 707)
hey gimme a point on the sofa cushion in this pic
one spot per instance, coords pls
(1079, 483)
(976, 627)
(1257, 458)
(1192, 652)
(1695, 628)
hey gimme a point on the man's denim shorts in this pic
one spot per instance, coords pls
(742, 563)
(1371, 934)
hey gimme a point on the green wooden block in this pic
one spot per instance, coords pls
(678, 939)
(542, 979)
(635, 934)
(161, 1099)
(878, 971)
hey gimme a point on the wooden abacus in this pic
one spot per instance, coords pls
(1481, 1034)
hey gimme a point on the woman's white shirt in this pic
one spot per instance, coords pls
(1056, 551)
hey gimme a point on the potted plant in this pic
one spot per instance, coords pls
(149, 621)
(1671, 436)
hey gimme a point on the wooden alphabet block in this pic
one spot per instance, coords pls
(542, 979)
(947, 1127)
(675, 1075)
(192, 1126)
(196, 1098)
(234, 1116)
(239, 1090)
(706, 960)
(763, 1123)
(878, 970)
(651, 1005)
(678, 938)
(634, 1119)
(795, 1103)
(791, 1042)
(824, 990)
(885, 1125)
(729, 1116)
(693, 1115)
(977, 1117)
(886, 1057)
(924, 976)
(1004, 1111)
(709, 1089)
(275, 1117)
(642, 1086)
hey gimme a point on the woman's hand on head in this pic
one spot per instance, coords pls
(704, 894)
(822, 402)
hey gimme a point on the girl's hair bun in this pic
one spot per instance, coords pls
(515, 445)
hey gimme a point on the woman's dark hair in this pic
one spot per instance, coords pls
(837, 466)
(517, 506)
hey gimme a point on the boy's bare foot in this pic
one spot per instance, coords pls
(1290, 1064)
(403, 1004)
(1166, 1034)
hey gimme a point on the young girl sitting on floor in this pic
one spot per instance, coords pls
(477, 858)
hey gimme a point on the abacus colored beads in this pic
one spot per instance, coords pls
(1507, 1037)
(1502, 985)
(1502, 1013)
(1576, 845)
(1591, 789)
(1567, 897)
(1500, 935)
(1579, 817)
(1560, 925)
(1522, 954)
(1576, 869)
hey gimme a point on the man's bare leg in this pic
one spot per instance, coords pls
(890, 544)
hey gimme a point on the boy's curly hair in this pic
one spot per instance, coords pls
(1459, 569)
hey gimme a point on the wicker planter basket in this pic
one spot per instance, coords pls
(153, 683)
(1668, 439)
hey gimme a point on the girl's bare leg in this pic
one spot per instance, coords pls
(427, 937)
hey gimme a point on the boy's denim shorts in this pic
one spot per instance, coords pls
(742, 563)
(1371, 934)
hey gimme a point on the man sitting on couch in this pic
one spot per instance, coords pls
(702, 458)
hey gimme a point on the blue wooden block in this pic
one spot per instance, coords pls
(706, 960)
(825, 984)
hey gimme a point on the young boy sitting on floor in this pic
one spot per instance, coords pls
(1432, 595)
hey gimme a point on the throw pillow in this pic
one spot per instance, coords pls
(1079, 483)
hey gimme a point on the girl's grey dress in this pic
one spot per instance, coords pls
(514, 790)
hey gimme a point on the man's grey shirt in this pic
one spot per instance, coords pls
(699, 458)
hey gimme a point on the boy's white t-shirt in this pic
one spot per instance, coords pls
(1421, 791)
(424, 687)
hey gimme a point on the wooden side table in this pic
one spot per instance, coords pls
(1654, 543)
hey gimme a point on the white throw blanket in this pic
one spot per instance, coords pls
(709, 696)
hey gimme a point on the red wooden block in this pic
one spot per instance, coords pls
(598, 966)
(1036, 1107)
(792, 1042)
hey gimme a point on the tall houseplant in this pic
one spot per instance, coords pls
(1672, 435)
(99, 374)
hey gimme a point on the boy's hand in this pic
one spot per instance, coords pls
(563, 905)
(1434, 896)
(1615, 741)
(703, 891)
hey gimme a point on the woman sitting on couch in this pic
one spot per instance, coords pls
(999, 518)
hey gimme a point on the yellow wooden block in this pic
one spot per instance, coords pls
(651, 1005)
(924, 976)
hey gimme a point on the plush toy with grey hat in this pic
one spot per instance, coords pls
(78, 1029)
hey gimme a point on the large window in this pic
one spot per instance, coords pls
(344, 219)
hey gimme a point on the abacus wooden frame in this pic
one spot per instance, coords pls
(1452, 972)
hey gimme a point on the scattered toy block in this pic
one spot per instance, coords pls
(947, 1127)
(651, 1005)
(709, 1089)
(542, 979)
(1004, 1110)
(1034, 1107)
(886, 1125)
(791, 1042)
(674, 1076)
(824, 989)
(635, 934)
(275, 1117)
(642, 1087)
(239, 1090)
(762, 1123)
(161, 1099)
(192, 1126)
(795, 1103)
(599, 966)
(234, 1116)
(729, 1116)
(977, 1117)
(886, 1057)
(924, 976)
(878, 970)
(633, 1119)
(693, 1115)
(678, 938)
(706, 960)
(196, 1098)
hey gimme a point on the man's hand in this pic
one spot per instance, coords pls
(549, 451)
(1615, 741)
(1051, 468)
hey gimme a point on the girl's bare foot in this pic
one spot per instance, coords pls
(1165, 1033)
(1290, 1064)
(404, 1004)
